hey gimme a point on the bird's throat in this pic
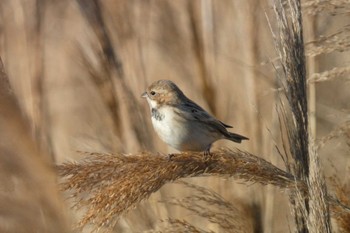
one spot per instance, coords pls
(156, 114)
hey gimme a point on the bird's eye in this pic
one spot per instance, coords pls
(152, 92)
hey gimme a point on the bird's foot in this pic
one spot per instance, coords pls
(207, 155)
(170, 156)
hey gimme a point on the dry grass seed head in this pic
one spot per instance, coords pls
(336, 72)
(319, 215)
(333, 7)
(211, 206)
(341, 204)
(175, 225)
(339, 41)
(112, 184)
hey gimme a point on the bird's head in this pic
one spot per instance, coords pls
(163, 92)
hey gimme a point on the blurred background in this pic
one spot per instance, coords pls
(78, 69)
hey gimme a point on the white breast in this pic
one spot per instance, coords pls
(169, 129)
(180, 133)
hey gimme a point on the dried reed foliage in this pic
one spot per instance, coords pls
(336, 42)
(311, 212)
(341, 206)
(111, 80)
(200, 51)
(341, 130)
(108, 58)
(223, 30)
(328, 75)
(110, 184)
(176, 225)
(318, 219)
(29, 197)
(107, 186)
(211, 206)
(290, 48)
(333, 7)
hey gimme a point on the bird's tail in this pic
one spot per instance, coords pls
(236, 137)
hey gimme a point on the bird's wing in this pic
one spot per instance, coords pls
(226, 125)
(193, 112)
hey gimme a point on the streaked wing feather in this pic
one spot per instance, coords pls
(193, 112)
(226, 125)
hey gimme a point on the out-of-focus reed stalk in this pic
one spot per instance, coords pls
(29, 197)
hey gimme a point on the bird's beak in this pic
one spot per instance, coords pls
(144, 95)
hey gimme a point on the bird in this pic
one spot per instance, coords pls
(181, 123)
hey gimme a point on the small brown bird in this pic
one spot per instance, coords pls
(181, 123)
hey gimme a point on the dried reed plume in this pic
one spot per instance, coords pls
(341, 207)
(112, 184)
(319, 218)
(311, 213)
(176, 225)
(334, 7)
(339, 41)
(328, 75)
(290, 48)
(211, 206)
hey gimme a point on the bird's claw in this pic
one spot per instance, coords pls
(170, 156)
(207, 155)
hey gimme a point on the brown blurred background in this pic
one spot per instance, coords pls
(78, 69)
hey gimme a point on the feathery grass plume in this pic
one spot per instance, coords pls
(328, 75)
(341, 130)
(210, 205)
(341, 205)
(290, 49)
(111, 184)
(311, 213)
(29, 198)
(333, 7)
(319, 216)
(338, 41)
(176, 225)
